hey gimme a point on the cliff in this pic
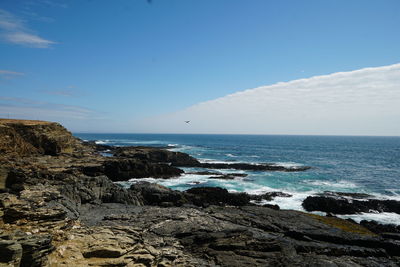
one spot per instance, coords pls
(24, 137)
(60, 207)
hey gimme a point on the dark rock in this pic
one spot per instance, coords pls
(95, 170)
(179, 159)
(204, 196)
(157, 155)
(345, 194)
(15, 180)
(205, 173)
(380, 228)
(35, 248)
(344, 205)
(125, 169)
(154, 194)
(102, 252)
(269, 196)
(10, 252)
(249, 167)
(85, 189)
(229, 176)
(274, 207)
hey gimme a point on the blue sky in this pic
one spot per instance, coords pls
(104, 65)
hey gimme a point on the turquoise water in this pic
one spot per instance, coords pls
(340, 163)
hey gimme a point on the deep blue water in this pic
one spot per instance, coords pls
(340, 163)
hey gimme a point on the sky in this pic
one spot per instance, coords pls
(228, 66)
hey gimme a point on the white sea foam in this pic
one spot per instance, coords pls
(102, 142)
(173, 145)
(175, 181)
(288, 203)
(143, 142)
(205, 160)
(231, 155)
(329, 184)
(288, 164)
(380, 196)
(180, 148)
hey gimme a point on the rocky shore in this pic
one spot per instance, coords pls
(59, 206)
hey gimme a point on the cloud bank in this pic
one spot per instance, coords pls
(13, 30)
(361, 102)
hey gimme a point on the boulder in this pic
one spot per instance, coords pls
(154, 194)
(205, 196)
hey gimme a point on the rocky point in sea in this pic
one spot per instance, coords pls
(59, 206)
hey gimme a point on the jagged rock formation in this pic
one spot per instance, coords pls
(59, 208)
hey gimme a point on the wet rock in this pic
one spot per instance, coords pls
(269, 196)
(345, 205)
(345, 195)
(228, 176)
(250, 167)
(205, 173)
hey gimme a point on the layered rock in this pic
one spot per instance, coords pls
(35, 137)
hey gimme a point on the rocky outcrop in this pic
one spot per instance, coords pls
(179, 159)
(35, 137)
(345, 204)
(154, 194)
(205, 196)
(251, 167)
(156, 155)
(125, 169)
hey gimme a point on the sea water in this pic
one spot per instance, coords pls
(340, 163)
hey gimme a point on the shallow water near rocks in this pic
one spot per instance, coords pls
(340, 163)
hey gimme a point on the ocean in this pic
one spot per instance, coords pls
(339, 163)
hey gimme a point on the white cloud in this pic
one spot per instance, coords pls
(14, 30)
(361, 102)
(8, 74)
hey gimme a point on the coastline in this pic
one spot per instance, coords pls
(59, 192)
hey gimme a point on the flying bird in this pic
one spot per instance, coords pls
(187, 121)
